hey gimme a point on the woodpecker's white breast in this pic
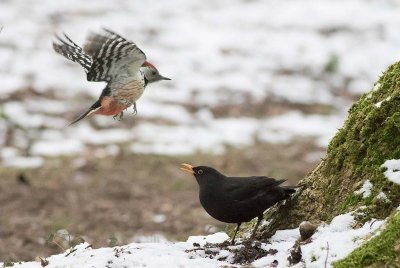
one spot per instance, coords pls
(129, 90)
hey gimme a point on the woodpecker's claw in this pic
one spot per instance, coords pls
(118, 116)
(134, 109)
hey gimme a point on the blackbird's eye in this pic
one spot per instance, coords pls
(200, 172)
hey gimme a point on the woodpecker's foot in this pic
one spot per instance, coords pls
(134, 109)
(118, 116)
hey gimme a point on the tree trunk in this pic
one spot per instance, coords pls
(369, 137)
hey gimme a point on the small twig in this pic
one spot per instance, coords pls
(327, 253)
(69, 239)
(194, 249)
(43, 262)
(59, 245)
(372, 223)
(71, 251)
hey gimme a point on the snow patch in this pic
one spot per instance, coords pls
(379, 104)
(159, 218)
(382, 196)
(24, 162)
(365, 189)
(202, 240)
(285, 127)
(376, 87)
(393, 170)
(163, 254)
(187, 139)
(105, 136)
(335, 240)
(155, 238)
(342, 222)
(57, 148)
(333, 246)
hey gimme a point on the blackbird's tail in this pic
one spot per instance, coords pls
(289, 190)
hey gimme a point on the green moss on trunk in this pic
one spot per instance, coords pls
(369, 137)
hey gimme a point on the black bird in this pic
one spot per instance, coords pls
(237, 199)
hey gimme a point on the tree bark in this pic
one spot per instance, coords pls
(369, 137)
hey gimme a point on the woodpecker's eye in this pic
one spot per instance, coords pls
(200, 172)
(153, 72)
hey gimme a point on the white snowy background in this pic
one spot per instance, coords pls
(217, 53)
(300, 52)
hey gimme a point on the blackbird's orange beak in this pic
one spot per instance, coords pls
(187, 168)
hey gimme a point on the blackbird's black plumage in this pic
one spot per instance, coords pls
(237, 199)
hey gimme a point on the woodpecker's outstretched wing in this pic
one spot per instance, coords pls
(73, 52)
(112, 56)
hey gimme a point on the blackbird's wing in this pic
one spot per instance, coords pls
(112, 56)
(250, 187)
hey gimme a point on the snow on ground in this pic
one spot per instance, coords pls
(162, 254)
(337, 240)
(393, 170)
(329, 243)
(24, 162)
(216, 54)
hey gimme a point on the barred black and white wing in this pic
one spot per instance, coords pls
(112, 56)
(73, 52)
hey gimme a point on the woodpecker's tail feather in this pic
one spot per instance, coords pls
(96, 106)
(73, 52)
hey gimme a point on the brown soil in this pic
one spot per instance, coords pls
(117, 197)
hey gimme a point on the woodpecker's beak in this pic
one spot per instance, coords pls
(187, 168)
(164, 78)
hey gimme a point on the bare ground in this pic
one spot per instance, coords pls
(125, 196)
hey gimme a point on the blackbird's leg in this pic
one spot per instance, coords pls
(134, 109)
(259, 219)
(234, 236)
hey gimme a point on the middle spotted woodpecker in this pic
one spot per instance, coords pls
(109, 57)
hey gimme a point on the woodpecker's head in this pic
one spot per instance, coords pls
(151, 73)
